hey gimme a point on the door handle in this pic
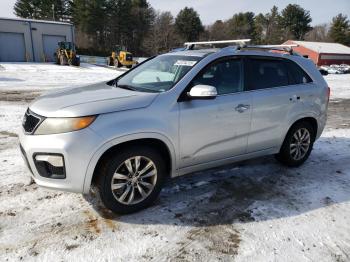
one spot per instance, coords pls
(241, 108)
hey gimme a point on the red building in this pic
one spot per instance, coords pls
(322, 53)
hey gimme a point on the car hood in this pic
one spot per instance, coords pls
(90, 100)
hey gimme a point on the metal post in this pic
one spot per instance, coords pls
(53, 12)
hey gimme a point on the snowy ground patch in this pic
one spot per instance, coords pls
(44, 76)
(340, 85)
(256, 210)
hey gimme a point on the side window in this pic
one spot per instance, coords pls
(297, 74)
(267, 73)
(226, 76)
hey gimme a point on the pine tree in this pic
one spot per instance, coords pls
(188, 24)
(296, 21)
(340, 29)
(42, 9)
(260, 25)
(273, 29)
(27, 8)
(142, 17)
(241, 26)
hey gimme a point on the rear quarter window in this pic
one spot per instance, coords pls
(296, 74)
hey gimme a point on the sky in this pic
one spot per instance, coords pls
(321, 11)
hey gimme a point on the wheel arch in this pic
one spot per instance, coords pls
(310, 119)
(153, 139)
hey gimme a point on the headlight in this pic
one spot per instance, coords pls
(63, 125)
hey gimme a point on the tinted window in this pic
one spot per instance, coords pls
(297, 75)
(225, 75)
(267, 73)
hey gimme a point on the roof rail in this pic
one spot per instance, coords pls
(240, 42)
(285, 48)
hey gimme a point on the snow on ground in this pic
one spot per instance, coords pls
(339, 84)
(256, 210)
(44, 76)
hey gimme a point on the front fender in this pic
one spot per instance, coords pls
(122, 139)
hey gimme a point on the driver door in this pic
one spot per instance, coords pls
(216, 129)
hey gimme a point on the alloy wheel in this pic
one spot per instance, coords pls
(300, 143)
(134, 180)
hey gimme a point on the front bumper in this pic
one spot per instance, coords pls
(77, 148)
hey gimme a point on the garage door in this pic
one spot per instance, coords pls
(50, 45)
(12, 48)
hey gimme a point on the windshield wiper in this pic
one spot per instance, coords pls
(126, 87)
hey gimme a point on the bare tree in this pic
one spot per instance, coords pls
(319, 33)
(162, 36)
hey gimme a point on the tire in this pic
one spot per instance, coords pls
(114, 171)
(76, 61)
(63, 60)
(118, 64)
(294, 153)
(129, 66)
(110, 61)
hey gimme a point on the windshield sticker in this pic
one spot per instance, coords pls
(185, 63)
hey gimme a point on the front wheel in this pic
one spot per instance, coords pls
(117, 63)
(131, 180)
(297, 145)
(63, 60)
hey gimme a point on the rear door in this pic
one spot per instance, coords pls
(277, 94)
(216, 129)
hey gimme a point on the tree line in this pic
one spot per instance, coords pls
(101, 25)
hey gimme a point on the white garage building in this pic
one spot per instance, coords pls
(31, 40)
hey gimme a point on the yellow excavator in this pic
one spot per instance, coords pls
(66, 54)
(120, 58)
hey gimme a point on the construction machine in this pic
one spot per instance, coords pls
(66, 54)
(120, 58)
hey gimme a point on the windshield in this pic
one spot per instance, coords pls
(158, 74)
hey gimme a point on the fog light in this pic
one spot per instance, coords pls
(50, 165)
(54, 160)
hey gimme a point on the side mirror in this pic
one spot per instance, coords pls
(202, 92)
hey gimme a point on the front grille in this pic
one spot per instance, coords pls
(30, 122)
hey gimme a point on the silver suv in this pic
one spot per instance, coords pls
(171, 115)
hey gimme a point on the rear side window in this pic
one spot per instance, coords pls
(297, 74)
(266, 73)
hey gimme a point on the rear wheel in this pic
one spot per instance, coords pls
(131, 180)
(76, 61)
(297, 145)
(117, 63)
